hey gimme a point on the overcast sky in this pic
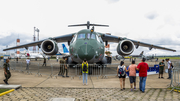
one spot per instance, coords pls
(151, 21)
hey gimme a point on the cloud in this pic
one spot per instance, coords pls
(151, 15)
(10, 40)
(112, 1)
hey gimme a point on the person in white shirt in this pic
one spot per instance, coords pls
(27, 62)
(169, 68)
(57, 58)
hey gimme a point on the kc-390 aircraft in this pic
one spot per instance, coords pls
(88, 44)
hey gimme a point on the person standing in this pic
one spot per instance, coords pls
(44, 63)
(132, 74)
(57, 58)
(61, 62)
(65, 69)
(7, 72)
(143, 68)
(161, 69)
(85, 71)
(17, 60)
(27, 62)
(121, 73)
(169, 68)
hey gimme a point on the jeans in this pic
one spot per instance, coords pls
(169, 72)
(85, 77)
(27, 68)
(142, 83)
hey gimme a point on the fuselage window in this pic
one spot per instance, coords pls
(81, 36)
(93, 36)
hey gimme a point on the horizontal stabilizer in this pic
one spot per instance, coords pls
(88, 25)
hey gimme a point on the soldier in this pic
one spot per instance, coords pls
(44, 63)
(7, 73)
(61, 62)
(65, 68)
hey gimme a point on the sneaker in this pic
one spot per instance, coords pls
(83, 83)
(7, 83)
(159, 77)
(67, 76)
(63, 76)
(86, 83)
(123, 88)
(143, 91)
(134, 87)
(167, 78)
(131, 90)
(162, 77)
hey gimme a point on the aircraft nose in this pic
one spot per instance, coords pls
(86, 52)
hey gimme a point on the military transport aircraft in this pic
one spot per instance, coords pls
(88, 44)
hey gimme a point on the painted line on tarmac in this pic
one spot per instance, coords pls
(92, 82)
(42, 82)
(9, 91)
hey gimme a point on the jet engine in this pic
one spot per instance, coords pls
(125, 47)
(49, 47)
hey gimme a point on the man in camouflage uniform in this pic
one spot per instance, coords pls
(61, 62)
(7, 73)
(65, 68)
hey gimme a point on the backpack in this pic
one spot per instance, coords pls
(121, 71)
(85, 68)
(172, 65)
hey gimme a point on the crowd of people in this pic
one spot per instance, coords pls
(121, 71)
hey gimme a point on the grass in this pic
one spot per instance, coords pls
(169, 58)
(3, 90)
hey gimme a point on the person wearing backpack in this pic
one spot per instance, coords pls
(121, 73)
(85, 71)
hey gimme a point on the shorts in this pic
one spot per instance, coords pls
(132, 79)
(160, 71)
(122, 76)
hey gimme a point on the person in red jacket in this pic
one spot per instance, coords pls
(143, 68)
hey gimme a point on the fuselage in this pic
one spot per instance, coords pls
(86, 45)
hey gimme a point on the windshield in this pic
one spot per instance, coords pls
(93, 36)
(81, 36)
(74, 39)
(97, 38)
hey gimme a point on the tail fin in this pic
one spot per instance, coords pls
(141, 53)
(65, 50)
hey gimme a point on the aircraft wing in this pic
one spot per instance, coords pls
(111, 38)
(63, 38)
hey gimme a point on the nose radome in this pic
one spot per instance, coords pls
(86, 52)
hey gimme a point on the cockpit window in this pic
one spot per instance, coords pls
(93, 36)
(97, 38)
(88, 35)
(81, 36)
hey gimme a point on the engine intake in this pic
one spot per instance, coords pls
(49, 47)
(125, 47)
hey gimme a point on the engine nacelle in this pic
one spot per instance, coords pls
(125, 47)
(49, 47)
